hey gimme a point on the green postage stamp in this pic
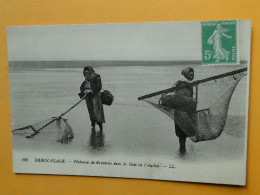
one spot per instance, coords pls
(220, 42)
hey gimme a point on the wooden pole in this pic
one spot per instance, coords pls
(59, 117)
(193, 83)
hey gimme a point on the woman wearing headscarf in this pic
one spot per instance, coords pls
(91, 87)
(188, 75)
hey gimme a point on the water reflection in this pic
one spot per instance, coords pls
(193, 154)
(97, 141)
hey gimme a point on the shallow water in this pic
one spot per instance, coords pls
(132, 127)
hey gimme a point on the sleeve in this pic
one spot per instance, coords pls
(176, 84)
(96, 86)
(82, 89)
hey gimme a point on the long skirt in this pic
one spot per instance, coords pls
(179, 132)
(95, 108)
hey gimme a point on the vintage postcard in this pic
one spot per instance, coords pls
(161, 101)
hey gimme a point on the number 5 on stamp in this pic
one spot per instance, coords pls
(220, 42)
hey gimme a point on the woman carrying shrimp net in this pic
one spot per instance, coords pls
(91, 86)
(181, 101)
(188, 74)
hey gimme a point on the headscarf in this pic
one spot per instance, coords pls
(185, 72)
(92, 73)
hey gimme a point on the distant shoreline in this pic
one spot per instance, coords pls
(25, 65)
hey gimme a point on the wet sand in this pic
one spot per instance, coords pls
(133, 128)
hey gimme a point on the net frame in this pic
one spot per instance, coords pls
(61, 124)
(214, 115)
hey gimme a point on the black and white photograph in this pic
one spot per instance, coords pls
(131, 100)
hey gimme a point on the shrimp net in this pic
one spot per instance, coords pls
(204, 116)
(59, 126)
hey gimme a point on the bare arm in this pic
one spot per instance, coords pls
(227, 36)
(211, 37)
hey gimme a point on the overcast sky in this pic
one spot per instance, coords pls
(131, 41)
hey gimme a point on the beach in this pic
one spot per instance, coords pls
(133, 128)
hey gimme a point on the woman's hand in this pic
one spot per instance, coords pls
(88, 91)
(227, 36)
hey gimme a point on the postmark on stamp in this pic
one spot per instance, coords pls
(219, 42)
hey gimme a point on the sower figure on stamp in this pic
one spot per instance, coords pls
(92, 86)
(188, 74)
(216, 38)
